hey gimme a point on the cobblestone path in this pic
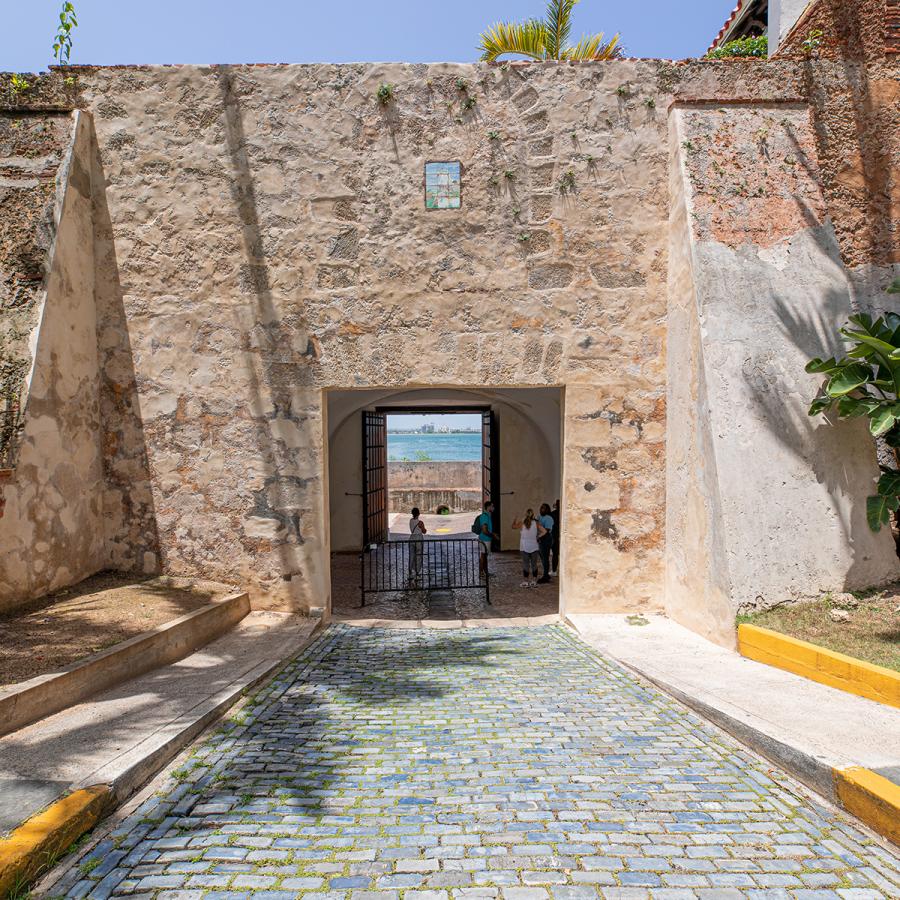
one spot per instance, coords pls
(469, 764)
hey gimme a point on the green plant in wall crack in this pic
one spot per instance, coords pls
(567, 182)
(385, 94)
(17, 85)
(866, 384)
(813, 42)
(62, 44)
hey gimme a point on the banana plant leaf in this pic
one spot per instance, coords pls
(889, 484)
(847, 379)
(882, 422)
(879, 509)
(817, 365)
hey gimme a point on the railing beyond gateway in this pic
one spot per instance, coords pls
(441, 564)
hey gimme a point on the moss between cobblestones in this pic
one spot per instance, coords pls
(475, 730)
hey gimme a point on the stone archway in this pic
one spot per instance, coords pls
(529, 458)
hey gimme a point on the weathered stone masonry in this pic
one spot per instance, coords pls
(259, 236)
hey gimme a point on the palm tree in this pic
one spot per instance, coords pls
(547, 38)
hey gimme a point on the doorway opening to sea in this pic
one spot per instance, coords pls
(435, 464)
(445, 452)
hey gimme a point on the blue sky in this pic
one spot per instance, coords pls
(234, 31)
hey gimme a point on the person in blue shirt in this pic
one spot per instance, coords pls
(554, 546)
(485, 536)
(545, 541)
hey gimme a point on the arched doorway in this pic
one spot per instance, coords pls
(521, 466)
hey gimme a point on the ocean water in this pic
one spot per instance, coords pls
(436, 447)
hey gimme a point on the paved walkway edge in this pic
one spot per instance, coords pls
(874, 800)
(855, 676)
(37, 844)
(39, 697)
(871, 798)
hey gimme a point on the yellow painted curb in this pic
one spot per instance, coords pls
(871, 798)
(818, 664)
(35, 845)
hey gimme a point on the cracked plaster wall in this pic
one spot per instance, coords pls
(762, 504)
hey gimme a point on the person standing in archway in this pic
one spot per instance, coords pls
(530, 531)
(545, 541)
(485, 524)
(417, 532)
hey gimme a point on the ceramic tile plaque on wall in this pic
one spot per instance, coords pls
(443, 184)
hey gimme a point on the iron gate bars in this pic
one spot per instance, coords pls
(441, 564)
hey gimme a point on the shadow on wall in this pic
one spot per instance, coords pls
(132, 536)
(282, 496)
(830, 447)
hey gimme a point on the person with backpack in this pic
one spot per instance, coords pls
(530, 531)
(483, 526)
(545, 541)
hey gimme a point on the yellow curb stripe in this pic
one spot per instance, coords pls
(871, 798)
(34, 845)
(845, 673)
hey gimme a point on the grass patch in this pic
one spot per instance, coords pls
(871, 634)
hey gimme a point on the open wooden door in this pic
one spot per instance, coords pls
(490, 467)
(374, 489)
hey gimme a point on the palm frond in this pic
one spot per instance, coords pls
(559, 26)
(594, 47)
(524, 38)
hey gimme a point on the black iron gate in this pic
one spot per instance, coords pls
(442, 564)
(374, 459)
(490, 468)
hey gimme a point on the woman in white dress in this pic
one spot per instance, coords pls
(530, 530)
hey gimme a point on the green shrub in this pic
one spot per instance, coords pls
(748, 46)
(865, 383)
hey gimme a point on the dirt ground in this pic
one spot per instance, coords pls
(57, 630)
(508, 600)
(872, 632)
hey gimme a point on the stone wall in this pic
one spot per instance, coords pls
(431, 485)
(260, 240)
(435, 474)
(296, 255)
(32, 148)
(853, 86)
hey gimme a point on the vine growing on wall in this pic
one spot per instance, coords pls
(865, 383)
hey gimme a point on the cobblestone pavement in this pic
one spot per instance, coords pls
(471, 764)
